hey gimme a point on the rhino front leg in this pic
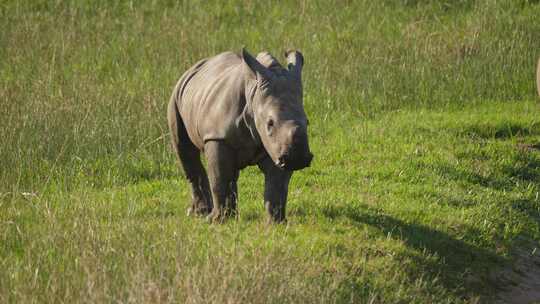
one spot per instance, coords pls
(276, 186)
(223, 175)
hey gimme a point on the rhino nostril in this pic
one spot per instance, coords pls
(281, 162)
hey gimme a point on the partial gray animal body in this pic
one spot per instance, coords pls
(538, 77)
(239, 111)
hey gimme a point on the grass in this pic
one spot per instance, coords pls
(424, 124)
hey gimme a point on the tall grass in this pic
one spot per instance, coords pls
(82, 80)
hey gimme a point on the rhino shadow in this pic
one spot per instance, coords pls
(458, 264)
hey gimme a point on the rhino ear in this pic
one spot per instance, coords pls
(295, 62)
(255, 68)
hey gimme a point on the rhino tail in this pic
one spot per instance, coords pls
(174, 118)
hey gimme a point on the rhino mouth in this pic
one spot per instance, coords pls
(286, 162)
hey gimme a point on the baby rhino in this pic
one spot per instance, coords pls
(239, 111)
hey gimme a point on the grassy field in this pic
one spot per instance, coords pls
(424, 122)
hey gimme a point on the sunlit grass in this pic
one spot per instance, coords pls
(424, 125)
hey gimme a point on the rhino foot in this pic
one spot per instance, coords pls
(220, 216)
(198, 208)
(197, 212)
(276, 220)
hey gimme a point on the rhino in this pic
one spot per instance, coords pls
(238, 111)
(538, 77)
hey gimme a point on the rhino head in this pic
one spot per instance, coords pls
(278, 110)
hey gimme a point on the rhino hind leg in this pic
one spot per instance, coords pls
(201, 199)
(223, 176)
(189, 157)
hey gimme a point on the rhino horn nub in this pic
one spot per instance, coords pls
(295, 61)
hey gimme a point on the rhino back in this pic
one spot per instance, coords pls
(212, 99)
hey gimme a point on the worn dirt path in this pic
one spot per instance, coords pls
(520, 284)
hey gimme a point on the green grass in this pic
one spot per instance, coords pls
(424, 124)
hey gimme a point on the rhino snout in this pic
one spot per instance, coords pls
(288, 162)
(293, 152)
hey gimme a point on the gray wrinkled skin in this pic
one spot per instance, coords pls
(239, 111)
